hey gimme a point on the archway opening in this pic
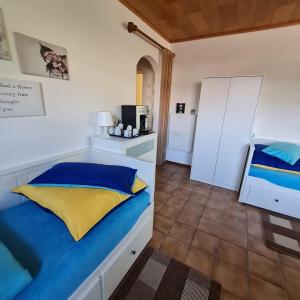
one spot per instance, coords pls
(145, 79)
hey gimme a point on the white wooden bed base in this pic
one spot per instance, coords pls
(105, 278)
(262, 193)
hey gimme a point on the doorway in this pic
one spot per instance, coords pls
(145, 80)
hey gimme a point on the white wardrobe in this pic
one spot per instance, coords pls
(224, 125)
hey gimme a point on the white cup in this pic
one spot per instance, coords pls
(117, 131)
(135, 132)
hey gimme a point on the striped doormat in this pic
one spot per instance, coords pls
(281, 232)
(156, 276)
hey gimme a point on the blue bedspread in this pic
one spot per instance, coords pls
(288, 180)
(42, 244)
(261, 158)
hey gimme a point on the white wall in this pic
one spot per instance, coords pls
(102, 58)
(274, 53)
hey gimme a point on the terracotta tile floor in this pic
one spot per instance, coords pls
(208, 229)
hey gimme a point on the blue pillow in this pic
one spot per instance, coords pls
(13, 278)
(290, 153)
(78, 174)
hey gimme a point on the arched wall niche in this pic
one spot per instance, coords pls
(148, 87)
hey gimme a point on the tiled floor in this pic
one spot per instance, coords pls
(207, 228)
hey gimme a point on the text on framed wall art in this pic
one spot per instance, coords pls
(20, 98)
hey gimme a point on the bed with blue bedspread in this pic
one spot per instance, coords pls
(272, 177)
(42, 244)
(274, 170)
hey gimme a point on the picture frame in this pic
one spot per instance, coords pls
(4, 45)
(180, 108)
(40, 58)
(20, 98)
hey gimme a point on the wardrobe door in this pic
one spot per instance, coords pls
(214, 92)
(240, 112)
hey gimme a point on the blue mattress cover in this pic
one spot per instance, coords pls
(288, 180)
(42, 244)
(262, 158)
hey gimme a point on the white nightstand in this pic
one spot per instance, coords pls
(142, 147)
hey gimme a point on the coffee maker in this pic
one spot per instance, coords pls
(136, 115)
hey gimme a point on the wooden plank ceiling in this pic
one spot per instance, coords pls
(183, 20)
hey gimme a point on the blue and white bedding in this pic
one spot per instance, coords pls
(274, 169)
(42, 244)
(261, 158)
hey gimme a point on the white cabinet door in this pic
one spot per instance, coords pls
(240, 112)
(214, 92)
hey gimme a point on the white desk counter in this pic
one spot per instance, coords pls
(142, 147)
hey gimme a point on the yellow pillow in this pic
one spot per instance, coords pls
(79, 208)
(139, 185)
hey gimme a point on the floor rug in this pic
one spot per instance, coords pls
(157, 276)
(281, 232)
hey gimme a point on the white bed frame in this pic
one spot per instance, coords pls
(106, 277)
(262, 193)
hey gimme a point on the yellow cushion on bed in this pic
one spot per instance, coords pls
(139, 185)
(79, 208)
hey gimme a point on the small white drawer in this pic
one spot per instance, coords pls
(275, 200)
(112, 276)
